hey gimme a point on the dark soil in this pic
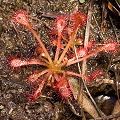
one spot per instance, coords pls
(19, 42)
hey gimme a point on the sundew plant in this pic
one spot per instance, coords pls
(55, 70)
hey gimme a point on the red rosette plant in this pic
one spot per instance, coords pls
(56, 67)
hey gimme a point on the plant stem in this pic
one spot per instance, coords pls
(34, 77)
(42, 45)
(58, 47)
(68, 45)
(35, 61)
(77, 75)
(38, 91)
(70, 62)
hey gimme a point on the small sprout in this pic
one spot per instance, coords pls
(1, 107)
(82, 1)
